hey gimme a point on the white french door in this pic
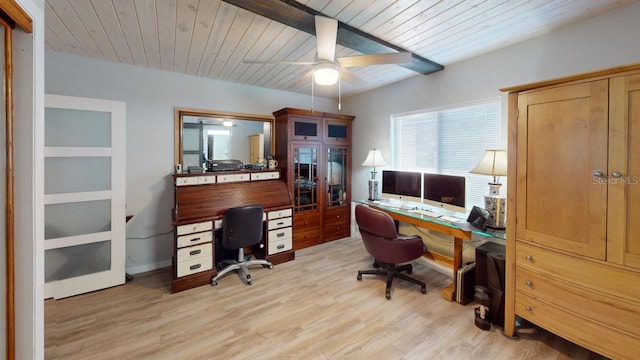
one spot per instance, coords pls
(84, 200)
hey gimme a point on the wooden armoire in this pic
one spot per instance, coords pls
(314, 152)
(573, 234)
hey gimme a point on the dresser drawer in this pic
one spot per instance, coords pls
(195, 252)
(337, 230)
(306, 238)
(194, 266)
(279, 234)
(206, 179)
(337, 214)
(278, 223)
(192, 228)
(185, 181)
(269, 175)
(590, 274)
(279, 214)
(280, 245)
(193, 239)
(305, 222)
(598, 307)
(602, 339)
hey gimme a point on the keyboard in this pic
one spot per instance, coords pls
(428, 213)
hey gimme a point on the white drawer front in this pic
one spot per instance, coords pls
(207, 179)
(279, 213)
(279, 234)
(194, 266)
(280, 245)
(193, 239)
(279, 223)
(191, 228)
(226, 178)
(195, 252)
(243, 177)
(265, 175)
(184, 181)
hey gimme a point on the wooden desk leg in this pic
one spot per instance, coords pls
(449, 292)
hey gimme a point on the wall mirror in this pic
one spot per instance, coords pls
(201, 135)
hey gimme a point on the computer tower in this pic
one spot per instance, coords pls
(465, 282)
(481, 260)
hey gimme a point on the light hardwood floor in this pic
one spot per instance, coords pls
(310, 308)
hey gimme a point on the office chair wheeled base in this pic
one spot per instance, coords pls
(391, 271)
(242, 266)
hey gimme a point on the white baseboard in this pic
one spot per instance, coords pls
(148, 267)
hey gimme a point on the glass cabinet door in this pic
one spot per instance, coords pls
(305, 177)
(336, 176)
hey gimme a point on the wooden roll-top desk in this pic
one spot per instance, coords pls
(200, 201)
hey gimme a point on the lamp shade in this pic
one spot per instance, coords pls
(374, 159)
(493, 163)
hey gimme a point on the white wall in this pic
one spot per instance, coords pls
(608, 40)
(151, 96)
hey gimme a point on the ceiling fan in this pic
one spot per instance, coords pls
(327, 68)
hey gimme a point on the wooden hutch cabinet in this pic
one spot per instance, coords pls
(314, 151)
(573, 239)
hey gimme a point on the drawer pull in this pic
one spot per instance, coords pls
(337, 216)
(195, 252)
(280, 234)
(528, 308)
(195, 239)
(193, 267)
(281, 246)
(529, 283)
(529, 257)
(280, 223)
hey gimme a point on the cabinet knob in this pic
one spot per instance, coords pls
(529, 283)
(528, 308)
(529, 257)
(616, 174)
(598, 173)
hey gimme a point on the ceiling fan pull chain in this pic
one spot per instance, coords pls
(339, 94)
(312, 93)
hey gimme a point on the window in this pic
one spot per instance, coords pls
(448, 141)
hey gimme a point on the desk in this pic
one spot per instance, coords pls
(200, 202)
(459, 235)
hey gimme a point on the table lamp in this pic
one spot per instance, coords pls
(494, 163)
(374, 159)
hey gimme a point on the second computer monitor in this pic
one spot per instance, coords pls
(444, 191)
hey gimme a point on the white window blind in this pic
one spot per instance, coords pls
(448, 141)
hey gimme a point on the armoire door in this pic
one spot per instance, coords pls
(561, 167)
(623, 231)
(84, 198)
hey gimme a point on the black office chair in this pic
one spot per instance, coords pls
(241, 227)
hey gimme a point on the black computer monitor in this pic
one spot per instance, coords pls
(444, 191)
(402, 185)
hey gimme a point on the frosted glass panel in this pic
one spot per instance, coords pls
(77, 128)
(191, 160)
(72, 261)
(66, 175)
(190, 139)
(71, 219)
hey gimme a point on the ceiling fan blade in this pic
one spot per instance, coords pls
(375, 59)
(326, 33)
(350, 77)
(251, 61)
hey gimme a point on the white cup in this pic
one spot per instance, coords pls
(272, 164)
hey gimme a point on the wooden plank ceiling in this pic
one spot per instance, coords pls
(210, 38)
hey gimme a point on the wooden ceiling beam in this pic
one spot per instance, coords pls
(301, 17)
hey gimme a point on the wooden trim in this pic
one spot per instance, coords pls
(17, 14)
(564, 80)
(9, 203)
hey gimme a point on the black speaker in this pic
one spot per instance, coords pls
(481, 260)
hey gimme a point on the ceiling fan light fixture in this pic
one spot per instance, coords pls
(326, 74)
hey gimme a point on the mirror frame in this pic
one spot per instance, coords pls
(180, 112)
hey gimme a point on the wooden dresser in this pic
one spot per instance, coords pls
(200, 201)
(314, 152)
(573, 236)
